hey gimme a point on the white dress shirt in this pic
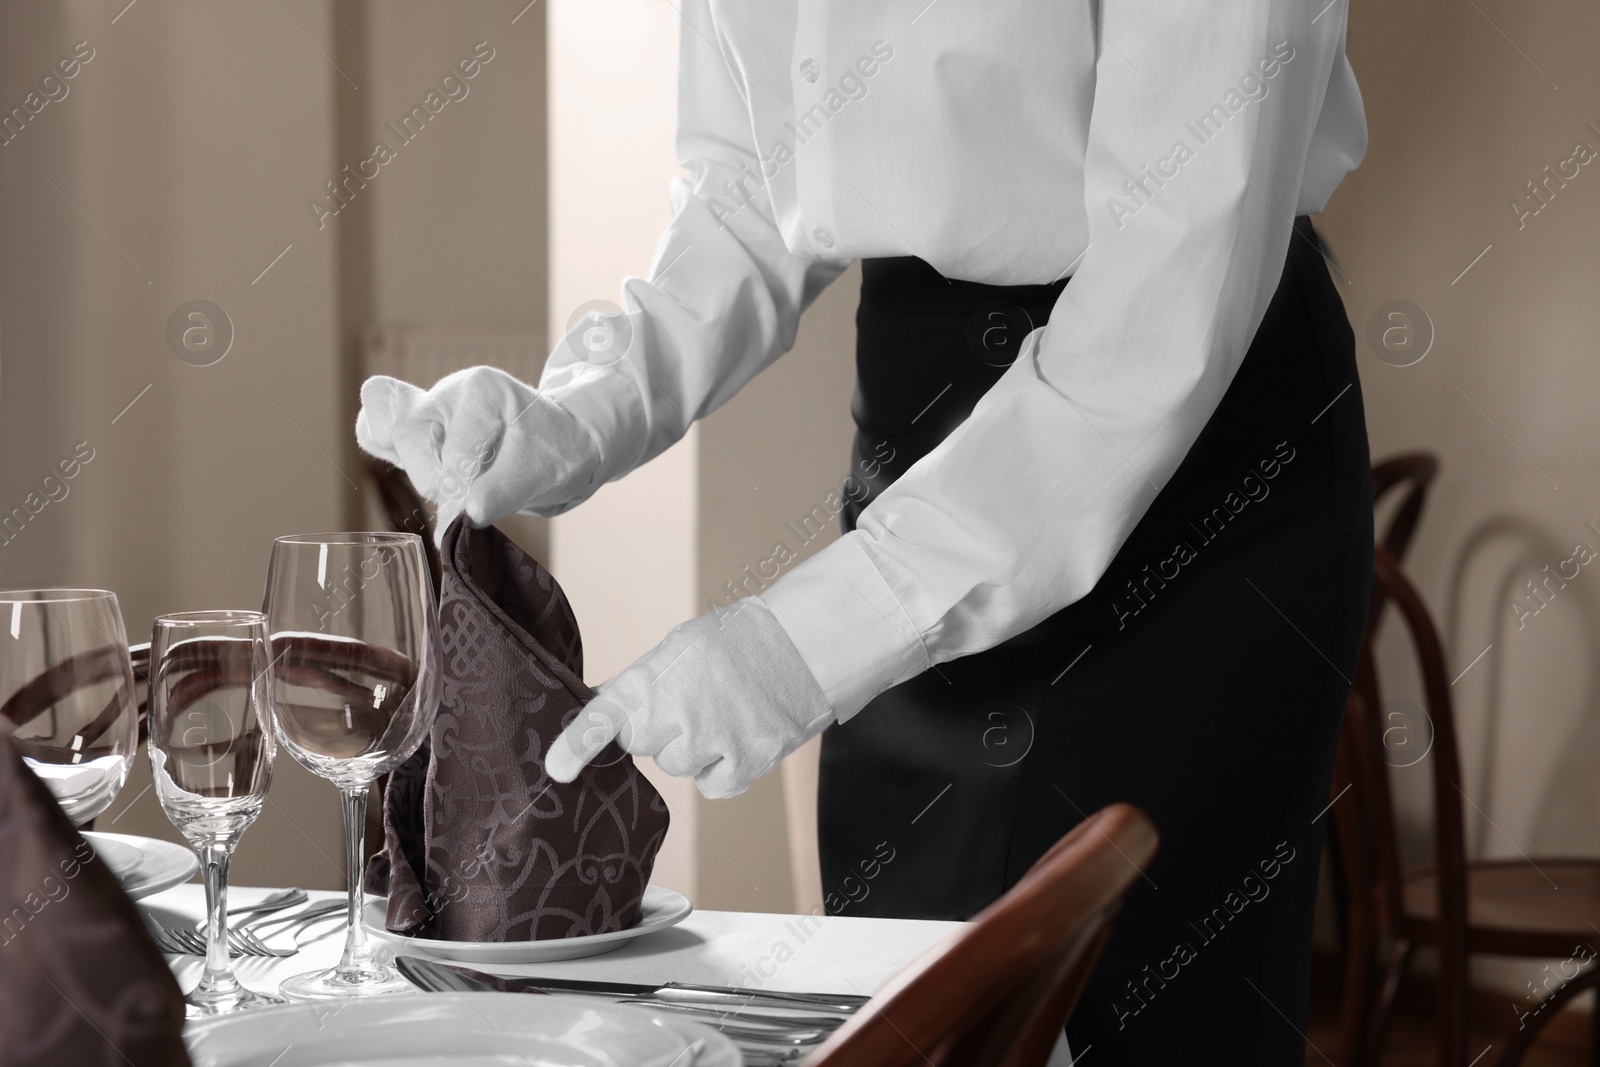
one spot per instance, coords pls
(1154, 151)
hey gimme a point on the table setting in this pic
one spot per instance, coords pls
(505, 916)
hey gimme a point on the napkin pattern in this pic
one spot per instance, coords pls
(479, 843)
(80, 980)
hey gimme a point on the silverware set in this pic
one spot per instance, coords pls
(770, 1028)
(249, 938)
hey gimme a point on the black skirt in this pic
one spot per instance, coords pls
(1202, 679)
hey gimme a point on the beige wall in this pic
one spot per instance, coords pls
(652, 550)
(188, 143)
(780, 447)
(1461, 118)
(456, 231)
(625, 556)
(192, 141)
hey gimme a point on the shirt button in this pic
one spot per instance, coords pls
(810, 71)
(822, 237)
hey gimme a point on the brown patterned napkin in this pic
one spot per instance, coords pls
(479, 843)
(80, 980)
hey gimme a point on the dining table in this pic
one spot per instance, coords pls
(760, 951)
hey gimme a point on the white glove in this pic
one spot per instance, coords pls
(481, 442)
(724, 698)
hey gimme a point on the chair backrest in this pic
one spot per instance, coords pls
(139, 655)
(1414, 472)
(1375, 740)
(406, 511)
(1365, 824)
(997, 993)
(38, 696)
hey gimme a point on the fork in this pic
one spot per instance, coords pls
(170, 939)
(275, 902)
(777, 1040)
(242, 941)
(253, 945)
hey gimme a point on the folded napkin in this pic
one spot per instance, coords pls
(479, 843)
(80, 980)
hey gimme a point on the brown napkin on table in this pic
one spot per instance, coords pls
(479, 843)
(80, 980)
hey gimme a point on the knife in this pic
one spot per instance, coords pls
(765, 1034)
(455, 977)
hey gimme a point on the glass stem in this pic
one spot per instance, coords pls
(218, 975)
(357, 953)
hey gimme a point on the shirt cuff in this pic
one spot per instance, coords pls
(848, 625)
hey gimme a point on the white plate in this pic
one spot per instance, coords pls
(144, 865)
(660, 909)
(455, 1030)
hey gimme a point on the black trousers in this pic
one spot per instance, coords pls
(1202, 679)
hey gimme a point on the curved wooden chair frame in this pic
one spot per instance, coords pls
(999, 992)
(1384, 898)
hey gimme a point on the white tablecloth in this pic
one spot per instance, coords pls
(794, 953)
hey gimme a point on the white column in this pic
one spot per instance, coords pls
(654, 549)
(626, 557)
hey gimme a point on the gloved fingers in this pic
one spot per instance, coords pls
(398, 423)
(599, 722)
(418, 440)
(679, 758)
(503, 487)
(482, 406)
(498, 484)
(539, 458)
(370, 442)
(723, 779)
(383, 401)
(465, 460)
(442, 518)
(480, 442)
(708, 703)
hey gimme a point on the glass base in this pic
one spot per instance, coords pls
(369, 980)
(201, 1005)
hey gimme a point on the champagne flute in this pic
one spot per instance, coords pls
(66, 686)
(211, 751)
(355, 645)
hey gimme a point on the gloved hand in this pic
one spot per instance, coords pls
(723, 698)
(481, 442)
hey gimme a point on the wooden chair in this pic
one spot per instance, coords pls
(997, 993)
(405, 509)
(1523, 907)
(1413, 472)
(139, 655)
(407, 512)
(317, 663)
(38, 696)
(1523, 1039)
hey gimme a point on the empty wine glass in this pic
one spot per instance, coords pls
(355, 645)
(211, 751)
(67, 688)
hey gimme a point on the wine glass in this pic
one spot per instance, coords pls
(211, 751)
(355, 645)
(66, 686)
